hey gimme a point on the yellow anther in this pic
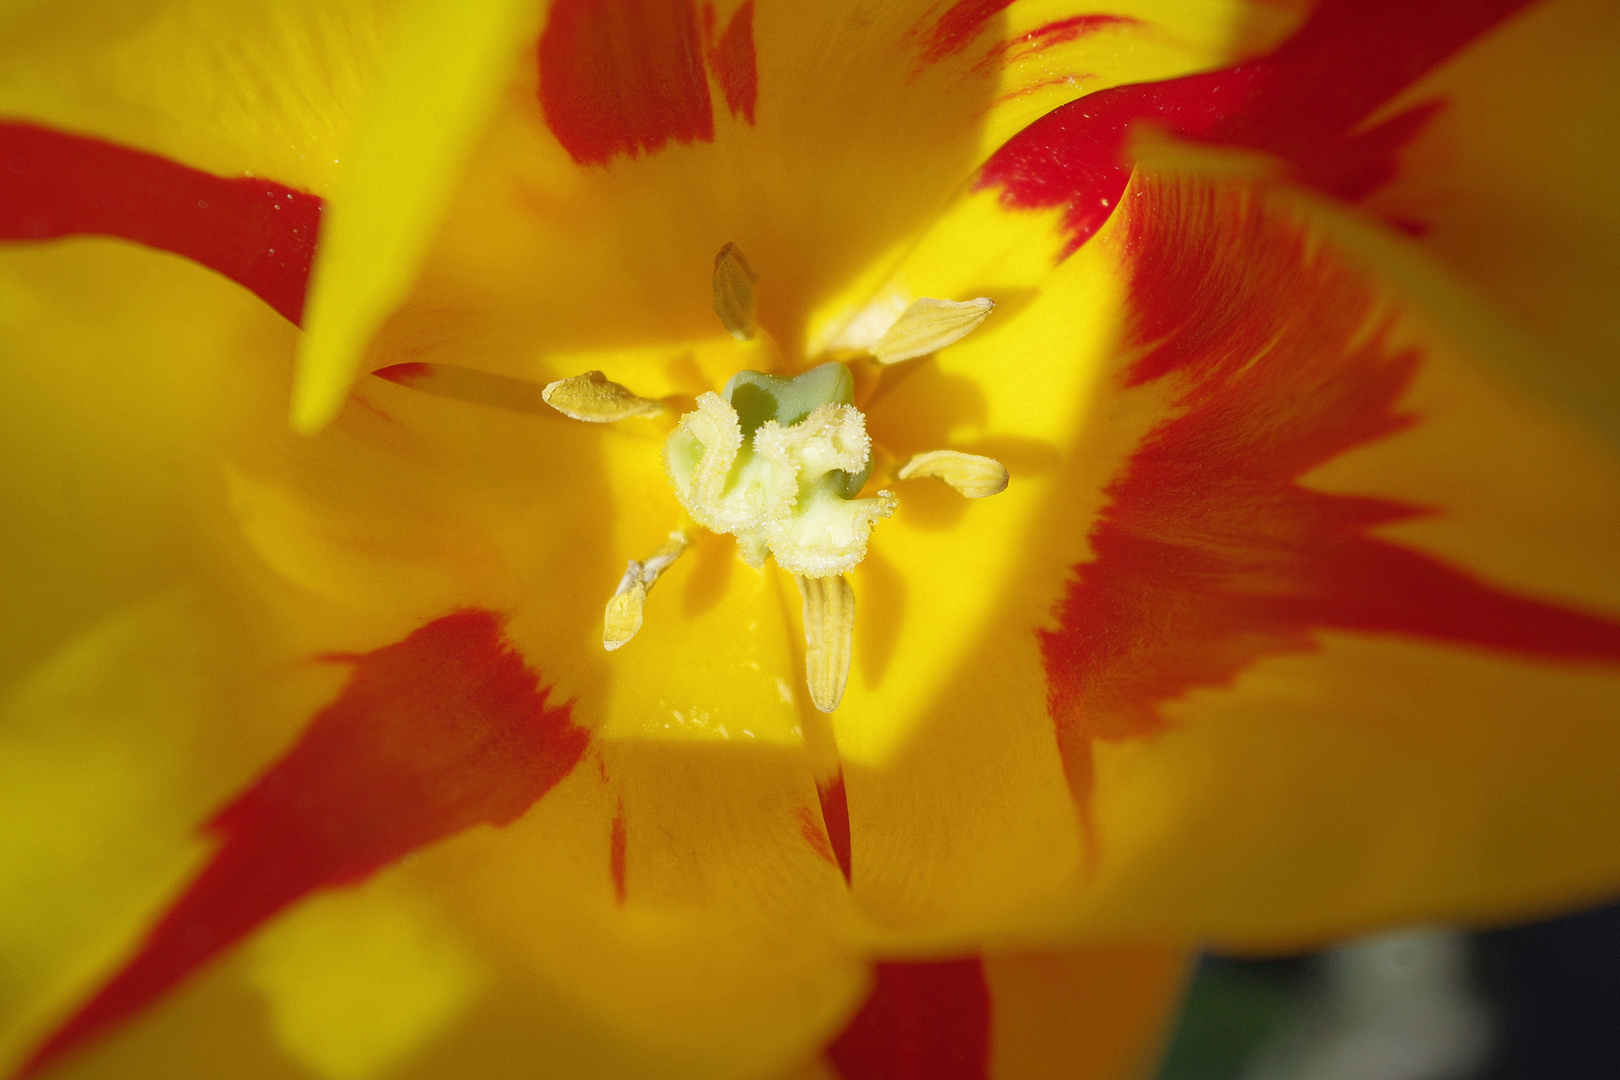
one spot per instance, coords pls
(971, 475)
(594, 398)
(734, 292)
(929, 325)
(829, 631)
(622, 619)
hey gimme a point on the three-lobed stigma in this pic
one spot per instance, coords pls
(778, 463)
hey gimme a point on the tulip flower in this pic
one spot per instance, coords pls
(769, 539)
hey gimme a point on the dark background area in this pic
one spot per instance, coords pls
(1548, 996)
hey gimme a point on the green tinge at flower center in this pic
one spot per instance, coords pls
(777, 463)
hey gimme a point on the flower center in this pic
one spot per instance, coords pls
(780, 463)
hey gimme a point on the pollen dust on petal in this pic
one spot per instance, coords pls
(433, 734)
(1210, 554)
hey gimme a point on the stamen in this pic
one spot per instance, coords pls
(623, 616)
(734, 292)
(829, 630)
(971, 475)
(929, 325)
(593, 398)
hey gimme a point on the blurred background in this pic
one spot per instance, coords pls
(1537, 1002)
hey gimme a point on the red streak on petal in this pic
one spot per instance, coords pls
(616, 845)
(432, 735)
(957, 28)
(816, 836)
(1210, 555)
(1045, 37)
(835, 816)
(928, 1021)
(1302, 103)
(623, 77)
(259, 234)
(734, 62)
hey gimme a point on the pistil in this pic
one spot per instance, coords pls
(781, 463)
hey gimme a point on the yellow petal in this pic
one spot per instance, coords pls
(261, 89)
(118, 360)
(1515, 187)
(717, 932)
(445, 68)
(971, 869)
(548, 256)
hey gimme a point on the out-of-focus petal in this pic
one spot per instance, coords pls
(1515, 186)
(445, 65)
(1092, 1014)
(118, 360)
(116, 746)
(263, 89)
(439, 732)
(1097, 1013)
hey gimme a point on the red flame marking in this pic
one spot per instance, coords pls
(1210, 555)
(623, 77)
(957, 28)
(734, 62)
(1045, 37)
(432, 735)
(811, 829)
(259, 234)
(1301, 104)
